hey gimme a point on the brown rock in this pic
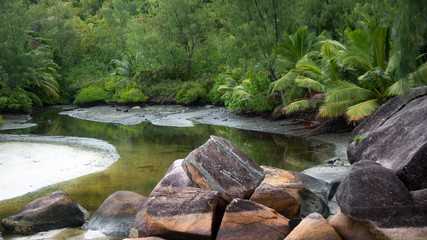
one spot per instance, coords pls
(352, 229)
(395, 136)
(55, 211)
(116, 213)
(244, 219)
(175, 177)
(313, 227)
(277, 190)
(221, 166)
(184, 213)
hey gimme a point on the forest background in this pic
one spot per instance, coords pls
(336, 58)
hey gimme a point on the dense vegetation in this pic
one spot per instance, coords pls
(340, 58)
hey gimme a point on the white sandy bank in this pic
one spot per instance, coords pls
(29, 162)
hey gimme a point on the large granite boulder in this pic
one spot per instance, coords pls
(115, 215)
(313, 227)
(244, 219)
(175, 177)
(58, 210)
(277, 191)
(184, 213)
(284, 192)
(395, 136)
(372, 192)
(221, 166)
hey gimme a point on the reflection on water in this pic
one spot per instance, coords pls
(146, 151)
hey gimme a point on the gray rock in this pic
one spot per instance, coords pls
(395, 136)
(115, 215)
(372, 192)
(221, 166)
(55, 211)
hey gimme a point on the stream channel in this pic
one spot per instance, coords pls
(146, 152)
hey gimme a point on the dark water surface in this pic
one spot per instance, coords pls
(146, 152)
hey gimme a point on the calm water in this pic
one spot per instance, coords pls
(146, 152)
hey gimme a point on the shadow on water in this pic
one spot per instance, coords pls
(146, 151)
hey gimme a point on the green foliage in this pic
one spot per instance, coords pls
(191, 93)
(91, 94)
(358, 138)
(1, 120)
(130, 95)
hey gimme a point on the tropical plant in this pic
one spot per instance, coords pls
(318, 76)
(131, 64)
(368, 56)
(293, 48)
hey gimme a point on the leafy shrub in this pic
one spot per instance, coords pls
(191, 93)
(1, 120)
(131, 95)
(163, 88)
(17, 101)
(91, 94)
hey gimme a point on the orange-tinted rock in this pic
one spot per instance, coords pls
(184, 213)
(55, 211)
(175, 177)
(353, 229)
(277, 190)
(313, 227)
(280, 187)
(116, 213)
(221, 166)
(244, 219)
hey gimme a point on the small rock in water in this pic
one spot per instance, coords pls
(126, 110)
(136, 107)
(118, 109)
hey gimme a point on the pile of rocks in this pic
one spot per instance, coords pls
(217, 192)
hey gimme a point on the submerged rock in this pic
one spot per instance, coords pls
(221, 166)
(58, 210)
(244, 219)
(117, 212)
(313, 227)
(395, 136)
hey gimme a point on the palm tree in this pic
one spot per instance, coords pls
(368, 57)
(293, 48)
(318, 76)
(42, 74)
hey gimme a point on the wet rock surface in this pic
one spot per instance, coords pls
(115, 215)
(244, 219)
(221, 166)
(58, 210)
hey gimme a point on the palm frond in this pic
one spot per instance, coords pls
(310, 83)
(284, 82)
(361, 110)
